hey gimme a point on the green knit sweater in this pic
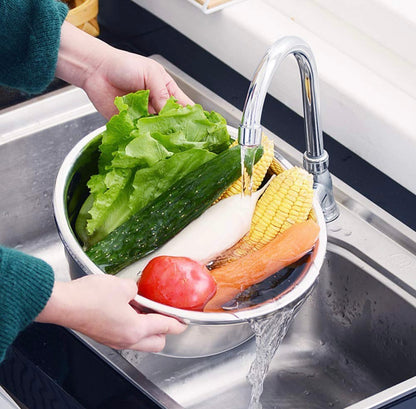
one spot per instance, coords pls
(26, 284)
(29, 41)
(29, 37)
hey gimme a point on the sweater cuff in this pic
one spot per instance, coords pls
(45, 48)
(30, 33)
(26, 284)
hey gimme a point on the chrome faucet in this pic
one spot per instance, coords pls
(315, 158)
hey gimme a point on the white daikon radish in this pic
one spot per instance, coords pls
(216, 230)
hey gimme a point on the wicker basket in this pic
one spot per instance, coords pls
(83, 14)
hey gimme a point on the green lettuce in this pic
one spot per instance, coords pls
(143, 155)
(149, 183)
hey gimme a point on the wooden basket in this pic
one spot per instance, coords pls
(83, 14)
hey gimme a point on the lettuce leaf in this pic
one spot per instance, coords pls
(141, 151)
(150, 182)
(142, 155)
(177, 126)
(135, 104)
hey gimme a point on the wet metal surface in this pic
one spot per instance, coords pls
(351, 345)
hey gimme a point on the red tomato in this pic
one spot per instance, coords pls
(177, 281)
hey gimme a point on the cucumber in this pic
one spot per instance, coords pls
(168, 214)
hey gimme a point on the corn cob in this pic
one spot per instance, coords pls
(286, 201)
(276, 167)
(259, 169)
(312, 215)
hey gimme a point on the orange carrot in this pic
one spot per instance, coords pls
(285, 249)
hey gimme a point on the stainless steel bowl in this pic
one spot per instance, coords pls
(207, 333)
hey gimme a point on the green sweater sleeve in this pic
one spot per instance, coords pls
(26, 284)
(29, 36)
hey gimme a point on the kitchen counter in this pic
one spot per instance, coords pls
(363, 106)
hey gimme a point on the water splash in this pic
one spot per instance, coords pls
(269, 332)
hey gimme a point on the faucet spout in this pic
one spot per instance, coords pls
(315, 158)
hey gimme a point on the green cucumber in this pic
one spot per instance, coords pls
(168, 214)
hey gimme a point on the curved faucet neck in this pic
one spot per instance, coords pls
(316, 159)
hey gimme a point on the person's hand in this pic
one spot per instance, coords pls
(121, 72)
(99, 307)
(105, 72)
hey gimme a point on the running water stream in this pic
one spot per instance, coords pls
(269, 332)
(247, 164)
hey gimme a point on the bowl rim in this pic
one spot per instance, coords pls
(75, 250)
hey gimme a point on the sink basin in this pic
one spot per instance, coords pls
(352, 343)
(353, 338)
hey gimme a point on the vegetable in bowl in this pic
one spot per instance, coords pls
(141, 156)
(177, 281)
(159, 174)
(168, 214)
(208, 333)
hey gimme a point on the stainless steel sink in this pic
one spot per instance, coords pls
(353, 338)
(351, 345)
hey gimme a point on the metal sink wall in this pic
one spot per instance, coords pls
(352, 343)
(353, 338)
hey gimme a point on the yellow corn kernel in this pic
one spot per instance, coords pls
(286, 201)
(259, 169)
(276, 167)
